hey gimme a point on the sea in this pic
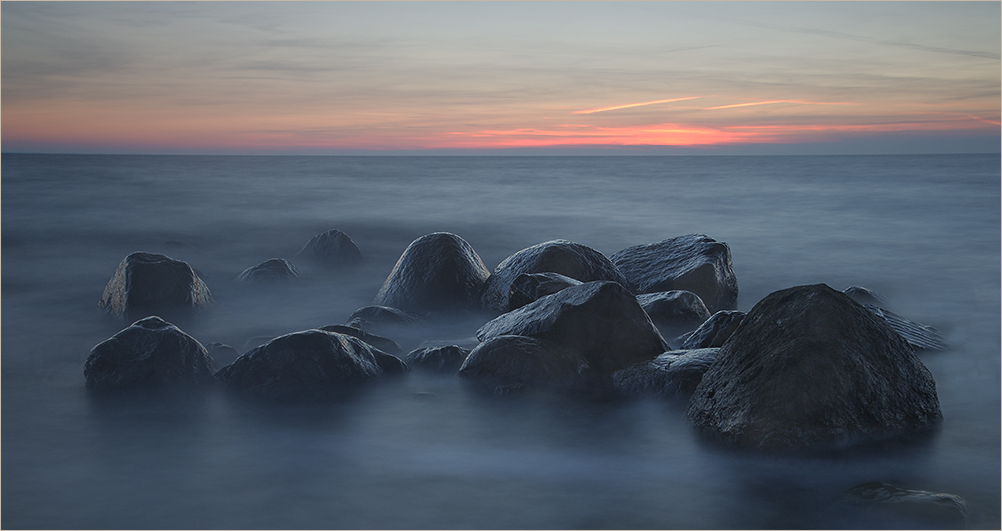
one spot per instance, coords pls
(423, 450)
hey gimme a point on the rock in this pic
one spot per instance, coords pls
(438, 272)
(269, 271)
(382, 318)
(440, 359)
(809, 367)
(504, 363)
(382, 343)
(601, 320)
(694, 262)
(676, 311)
(222, 354)
(919, 336)
(573, 260)
(332, 249)
(887, 506)
(863, 295)
(529, 287)
(153, 284)
(714, 331)
(308, 365)
(149, 354)
(673, 374)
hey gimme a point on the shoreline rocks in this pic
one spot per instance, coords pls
(508, 363)
(269, 272)
(332, 249)
(148, 284)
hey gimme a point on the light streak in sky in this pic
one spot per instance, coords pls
(777, 101)
(628, 105)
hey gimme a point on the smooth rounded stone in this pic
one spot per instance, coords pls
(811, 368)
(308, 365)
(694, 262)
(714, 331)
(149, 354)
(447, 358)
(573, 260)
(919, 336)
(506, 363)
(601, 320)
(437, 273)
(864, 296)
(332, 248)
(676, 311)
(269, 271)
(529, 287)
(881, 505)
(154, 284)
(387, 345)
(673, 374)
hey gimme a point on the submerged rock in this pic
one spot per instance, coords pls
(810, 367)
(579, 262)
(154, 284)
(149, 354)
(269, 271)
(880, 505)
(694, 262)
(529, 287)
(673, 374)
(308, 365)
(714, 331)
(601, 320)
(382, 343)
(438, 272)
(447, 358)
(675, 311)
(332, 249)
(919, 336)
(506, 363)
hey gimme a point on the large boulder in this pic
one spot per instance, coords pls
(151, 353)
(601, 320)
(674, 311)
(506, 363)
(308, 365)
(332, 249)
(694, 262)
(269, 271)
(148, 284)
(714, 331)
(437, 273)
(573, 260)
(447, 358)
(809, 367)
(529, 287)
(673, 374)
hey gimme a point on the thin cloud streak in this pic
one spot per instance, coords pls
(778, 101)
(629, 105)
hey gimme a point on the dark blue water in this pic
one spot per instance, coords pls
(421, 451)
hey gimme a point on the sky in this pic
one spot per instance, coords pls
(571, 77)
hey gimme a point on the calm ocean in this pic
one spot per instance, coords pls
(420, 451)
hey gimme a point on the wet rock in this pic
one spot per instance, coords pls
(383, 319)
(573, 260)
(382, 343)
(864, 296)
(919, 336)
(447, 358)
(714, 331)
(808, 368)
(694, 262)
(308, 365)
(601, 320)
(880, 505)
(269, 271)
(674, 311)
(437, 273)
(504, 363)
(332, 249)
(154, 284)
(673, 374)
(221, 353)
(529, 287)
(149, 354)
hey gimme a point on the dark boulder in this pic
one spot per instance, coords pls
(269, 271)
(332, 249)
(808, 368)
(150, 354)
(387, 345)
(674, 311)
(714, 331)
(601, 320)
(694, 262)
(505, 363)
(919, 336)
(447, 358)
(673, 374)
(864, 296)
(528, 287)
(383, 319)
(153, 284)
(221, 353)
(437, 273)
(308, 365)
(877, 505)
(573, 260)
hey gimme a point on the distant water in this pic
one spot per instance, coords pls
(422, 452)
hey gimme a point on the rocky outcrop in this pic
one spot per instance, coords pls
(714, 331)
(269, 271)
(673, 374)
(308, 365)
(506, 363)
(529, 287)
(332, 249)
(153, 284)
(573, 260)
(437, 273)
(150, 354)
(674, 311)
(876, 505)
(694, 262)
(447, 358)
(809, 367)
(601, 320)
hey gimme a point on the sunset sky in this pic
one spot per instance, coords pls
(501, 77)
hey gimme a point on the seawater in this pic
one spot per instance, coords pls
(422, 451)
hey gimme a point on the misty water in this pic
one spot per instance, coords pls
(423, 451)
